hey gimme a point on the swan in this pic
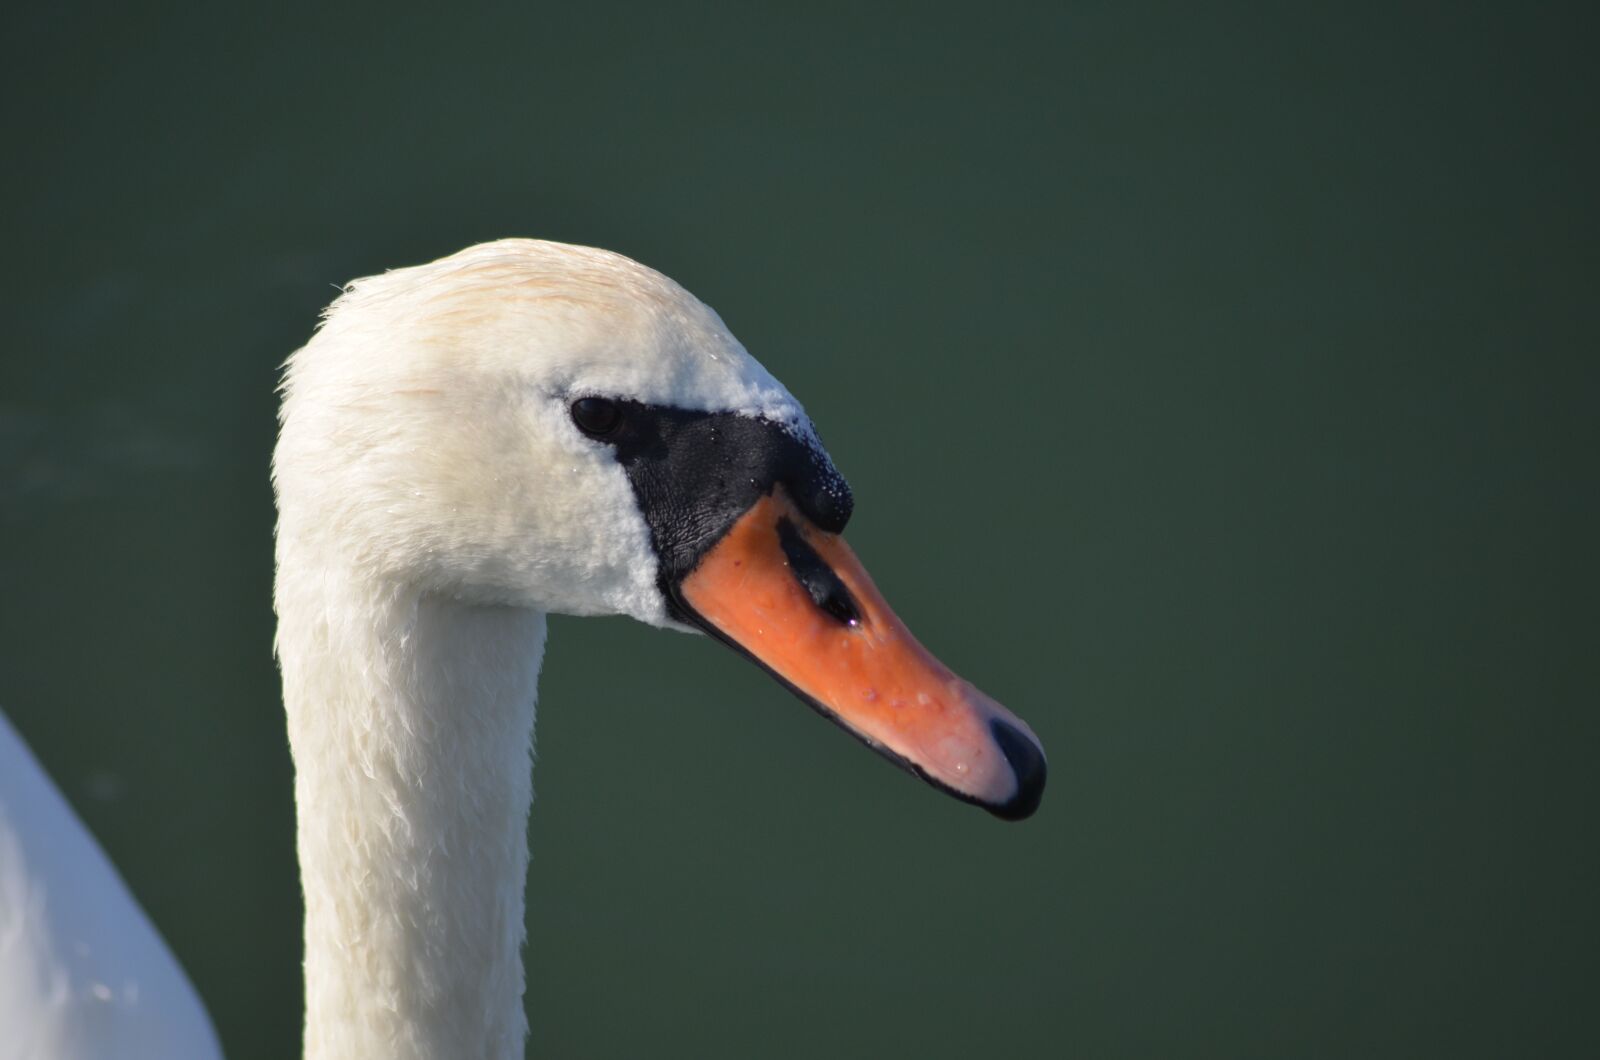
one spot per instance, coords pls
(83, 972)
(466, 446)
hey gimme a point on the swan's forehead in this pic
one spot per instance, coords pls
(679, 355)
(573, 321)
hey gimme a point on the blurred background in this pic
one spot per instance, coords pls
(1218, 389)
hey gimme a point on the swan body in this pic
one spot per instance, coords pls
(83, 973)
(523, 428)
(465, 447)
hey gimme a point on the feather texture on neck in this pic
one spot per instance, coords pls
(411, 721)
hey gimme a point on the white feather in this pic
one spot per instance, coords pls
(83, 973)
(435, 502)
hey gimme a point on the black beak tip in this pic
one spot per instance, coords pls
(1027, 762)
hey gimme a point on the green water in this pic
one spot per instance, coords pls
(1218, 389)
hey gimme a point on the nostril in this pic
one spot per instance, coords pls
(1027, 765)
(816, 577)
(837, 602)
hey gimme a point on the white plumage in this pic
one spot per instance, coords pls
(436, 500)
(83, 974)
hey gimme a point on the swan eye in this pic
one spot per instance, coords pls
(596, 416)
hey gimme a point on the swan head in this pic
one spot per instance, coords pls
(538, 425)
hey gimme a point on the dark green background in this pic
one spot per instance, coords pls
(1218, 387)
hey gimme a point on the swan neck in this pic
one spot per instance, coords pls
(411, 723)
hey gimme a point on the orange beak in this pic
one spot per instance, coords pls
(796, 600)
